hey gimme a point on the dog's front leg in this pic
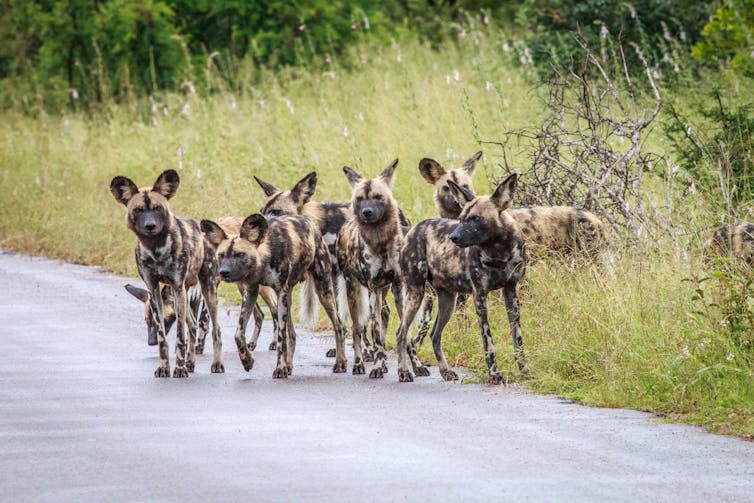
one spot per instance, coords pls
(513, 310)
(247, 306)
(181, 348)
(155, 304)
(268, 294)
(281, 369)
(376, 300)
(480, 303)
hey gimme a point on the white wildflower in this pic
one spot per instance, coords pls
(154, 121)
(345, 132)
(290, 106)
(361, 117)
(506, 47)
(682, 36)
(198, 173)
(74, 94)
(233, 104)
(186, 109)
(488, 85)
(447, 79)
(456, 75)
(730, 357)
(692, 188)
(486, 19)
(666, 35)
(165, 111)
(603, 31)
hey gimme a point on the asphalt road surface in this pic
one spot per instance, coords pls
(82, 419)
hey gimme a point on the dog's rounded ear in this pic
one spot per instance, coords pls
(137, 292)
(167, 183)
(254, 228)
(388, 173)
(266, 187)
(213, 232)
(304, 189)
(461, 194)
(353, 177)
(503, 195)
(123, 189)
(470, 165)
(430, 170)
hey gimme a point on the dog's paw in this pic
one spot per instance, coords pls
(449, 375)
(190, 366)
(251, 346)
(358, 369)
(180, 372)
(330, 353)
(218, 368)
(339, 367)
(273, 346)
(421, 371)
(405, 376)
(280, 373)
(162, 372)
(376, 373)
(199, 349)
(367, 356)
(247, 362)
(496, 378)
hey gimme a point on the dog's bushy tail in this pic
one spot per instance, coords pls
(309, 312)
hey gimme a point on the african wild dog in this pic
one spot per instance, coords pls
(481, 251)
(565, 230)
(276, 252)
(367, 249)
(329, 218)
(231, 225)
(171, 251)
(736, 240)
(197, 310)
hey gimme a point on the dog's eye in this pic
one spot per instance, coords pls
(159, 209)
(138, 209)
(275, 213)
(472, 219)
(466, 186)
(378, 197)
(239, 255)
(446, 189)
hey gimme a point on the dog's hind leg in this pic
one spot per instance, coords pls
(270, 298)
(376, 301)
(258, 320)
(480, 304)
(209, 291)
(321, 275)
(412, 297)
(284, 312)
(358, 306)
(155, 301)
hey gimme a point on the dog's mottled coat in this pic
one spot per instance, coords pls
(276, 252)
(170, 251)
(480, 252)
(368, 249)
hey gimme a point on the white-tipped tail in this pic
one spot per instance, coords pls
(341, 300)
(309, 312)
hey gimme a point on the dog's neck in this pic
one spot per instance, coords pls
(153, 243)
(380, 237)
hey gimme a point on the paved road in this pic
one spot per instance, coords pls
(82, 419)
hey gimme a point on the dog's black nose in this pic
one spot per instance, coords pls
(367, 213)
(225, 274)
(455, 237)
(150, 225)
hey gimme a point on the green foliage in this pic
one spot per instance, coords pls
(717, 150)
(729, 37)
(656, 26)
(85, 52)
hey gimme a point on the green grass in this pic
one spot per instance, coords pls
(625, 336)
